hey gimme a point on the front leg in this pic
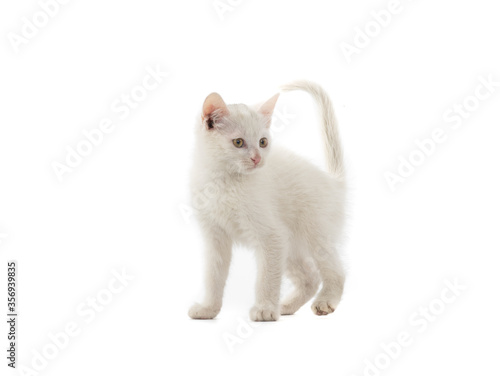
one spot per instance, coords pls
(270, 258)
(218, 258)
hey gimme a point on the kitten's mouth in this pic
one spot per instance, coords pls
(254, 167)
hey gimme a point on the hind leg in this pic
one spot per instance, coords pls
(333, 277)
(304, 276)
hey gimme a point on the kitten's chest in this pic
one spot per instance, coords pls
(219, 201)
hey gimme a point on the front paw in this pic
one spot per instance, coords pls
(198, 311)
(264, 313)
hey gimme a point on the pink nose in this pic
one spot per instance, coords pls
(256, 160)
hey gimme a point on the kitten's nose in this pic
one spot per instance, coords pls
(256, 160)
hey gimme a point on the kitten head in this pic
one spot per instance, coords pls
(236, 137)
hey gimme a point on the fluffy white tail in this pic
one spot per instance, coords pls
(333, 148)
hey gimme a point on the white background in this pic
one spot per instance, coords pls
(124, 205)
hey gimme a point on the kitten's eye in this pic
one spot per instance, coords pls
(263, 142)
(238, 142)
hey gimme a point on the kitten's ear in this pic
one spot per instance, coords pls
(267, 109)
(213, 109)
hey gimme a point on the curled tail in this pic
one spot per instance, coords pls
(334, 155)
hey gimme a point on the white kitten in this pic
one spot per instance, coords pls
(246, 191)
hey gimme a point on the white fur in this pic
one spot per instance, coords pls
(287, 209)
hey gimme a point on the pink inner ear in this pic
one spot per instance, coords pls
(268, 107)
(213, 103)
